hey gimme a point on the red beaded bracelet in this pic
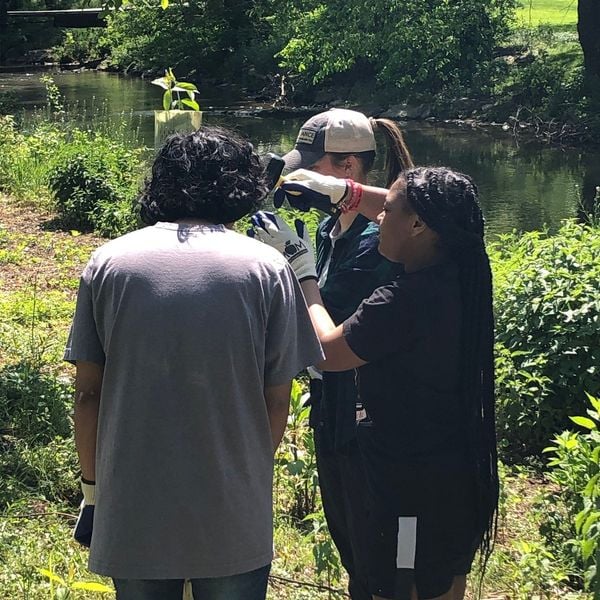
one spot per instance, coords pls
(354, 196)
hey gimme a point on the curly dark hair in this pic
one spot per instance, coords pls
(211, 174)
(448, 202)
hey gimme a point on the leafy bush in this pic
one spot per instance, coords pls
(34, 406)
(42, 471)
(80, 45)
(9, 137)
(189, 37)
(296, 464)
(24, 159)
(550, 86)
(575, 469)
(547, 313)
(94, 181)
(409, 45)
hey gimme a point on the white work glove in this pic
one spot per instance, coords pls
(83, 528)
(305, 189)
(272, 230)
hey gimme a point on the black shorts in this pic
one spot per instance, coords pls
(424, 524)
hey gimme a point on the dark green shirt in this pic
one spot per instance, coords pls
(356, 268)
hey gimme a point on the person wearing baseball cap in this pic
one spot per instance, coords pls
(341, 143)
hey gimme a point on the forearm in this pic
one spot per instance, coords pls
(338, 355)
(88, 389)
(86, 426)
(321, 320)
(371, 203)
(277, 399)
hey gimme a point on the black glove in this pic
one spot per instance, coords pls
(83, 528)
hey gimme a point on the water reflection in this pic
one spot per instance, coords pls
(522, 186)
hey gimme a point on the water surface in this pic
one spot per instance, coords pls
(523, 185)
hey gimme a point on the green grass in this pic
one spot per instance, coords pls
(532, 13)
(38, 490)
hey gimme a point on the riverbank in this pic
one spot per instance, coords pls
(524, 185)
(38, 490)
(529, 84)
(485, 114)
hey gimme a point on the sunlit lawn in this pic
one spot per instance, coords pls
(553, 12)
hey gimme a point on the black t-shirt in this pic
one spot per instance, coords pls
(409, 333)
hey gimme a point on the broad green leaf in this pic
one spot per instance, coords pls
(591, 485)
(52, 576)
(167, 98)
(593, 518)
(191, 103)
(91, 586)
(587, 548)
(595, 402)
(187, 86)
(296, 467)
(296, 391)
(584, 422)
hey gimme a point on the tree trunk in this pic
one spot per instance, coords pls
(588, 27)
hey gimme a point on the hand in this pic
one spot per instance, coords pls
(306, 189)
(295, 246)
(83, 528)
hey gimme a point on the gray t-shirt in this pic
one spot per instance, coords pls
(191, 322)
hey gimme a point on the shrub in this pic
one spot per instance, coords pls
(150, 38)
(574, 468)
(34, 406)
(25, 159)
(296, 465)
(428, 46)
(80, 45)
(94, 181)
(9, 139)
(538, 81)
(547, 313)
(45, 472)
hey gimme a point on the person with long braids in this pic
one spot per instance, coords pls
(423, 347)
(341, 143)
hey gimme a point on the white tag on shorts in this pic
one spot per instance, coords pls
(407, 543)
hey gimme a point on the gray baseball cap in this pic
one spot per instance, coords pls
(337, 130)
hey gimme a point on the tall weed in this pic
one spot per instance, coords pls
(575, 470)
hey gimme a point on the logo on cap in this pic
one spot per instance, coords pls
(306, 136)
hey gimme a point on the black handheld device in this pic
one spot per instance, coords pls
(273, 170)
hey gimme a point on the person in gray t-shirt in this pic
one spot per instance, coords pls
(186, 337)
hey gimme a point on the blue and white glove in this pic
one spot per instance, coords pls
(305, 189)
(296, 246)
(83, 528)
